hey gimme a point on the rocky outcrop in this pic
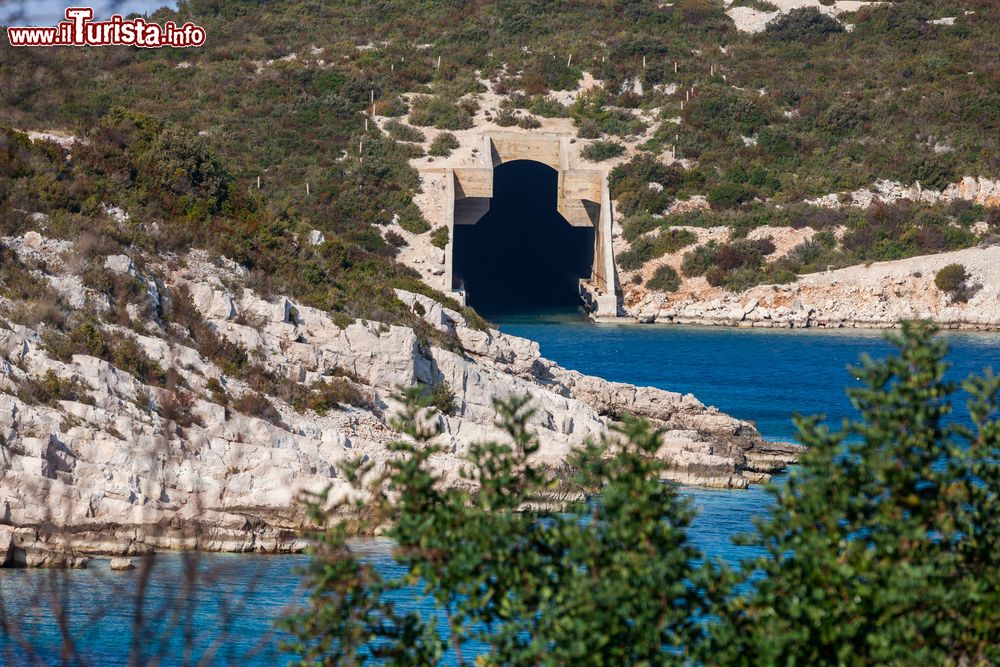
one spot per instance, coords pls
(121, 469)
(981, 191)
(878, 295)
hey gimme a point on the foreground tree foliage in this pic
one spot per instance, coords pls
(882, 548)
(511, 582)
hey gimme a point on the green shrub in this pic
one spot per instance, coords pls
(546, 107)
(759, 5)
(599, 151)
(528, 123)
(646, 248)
(804, 24)
(49, 389)
(427, 111)
(664, 279)
(254, 404)
(439, 237)
(890, 514)
(505, 118)
(443, 144)
(636, 226)
(440, 397)
(330, 394)
(402, 132)
(730, 195)
(413, 221)
(953, 281)
(630, 185)
(698, 261)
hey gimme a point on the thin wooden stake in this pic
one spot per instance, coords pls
(644, 62)
(569, 61)
(675, 67)
(307, 187)
(439, 62)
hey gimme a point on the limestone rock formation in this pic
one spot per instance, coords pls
(875, 296)
(126, 467)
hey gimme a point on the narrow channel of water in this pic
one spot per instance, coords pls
(763, 376)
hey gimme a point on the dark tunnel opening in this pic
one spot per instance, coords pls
(522, 255)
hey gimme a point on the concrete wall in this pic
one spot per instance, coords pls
(583, 200)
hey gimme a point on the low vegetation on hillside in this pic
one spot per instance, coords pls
(279, 92)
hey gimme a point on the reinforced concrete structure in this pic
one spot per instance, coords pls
(583, 199)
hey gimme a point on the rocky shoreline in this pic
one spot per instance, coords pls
(116, 472)
(876, 296)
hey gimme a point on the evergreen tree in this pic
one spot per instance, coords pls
(884, 545)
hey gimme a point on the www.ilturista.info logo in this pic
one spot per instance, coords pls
(79, 30)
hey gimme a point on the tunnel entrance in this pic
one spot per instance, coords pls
(522, 255)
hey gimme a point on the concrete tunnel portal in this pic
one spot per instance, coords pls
(527, 230)
(523, 254)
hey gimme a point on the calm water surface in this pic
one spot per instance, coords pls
(763, 376)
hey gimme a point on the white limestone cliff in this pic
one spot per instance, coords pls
(114, 473)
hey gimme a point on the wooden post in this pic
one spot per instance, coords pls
(675, 67)
(644, 62)
(569, 61)
(439, 62)
(366, 123)
(307, 187)
(713, 70)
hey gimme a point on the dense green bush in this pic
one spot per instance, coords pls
(413, 221)
(952, 280)
(646, 248)
(629, 184)
(427, 110)
(592, 108)
(664, 279)
(443, 144)
(878, 549)
(730, 195)
(599, 151)
(505, 118)
(528, 122)
(439, 237)
(402, 132)
(736, 265)
(547, 107)
(804, 24)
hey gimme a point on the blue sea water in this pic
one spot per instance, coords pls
(227, 616)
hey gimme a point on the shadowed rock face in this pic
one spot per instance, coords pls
(523, 255)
